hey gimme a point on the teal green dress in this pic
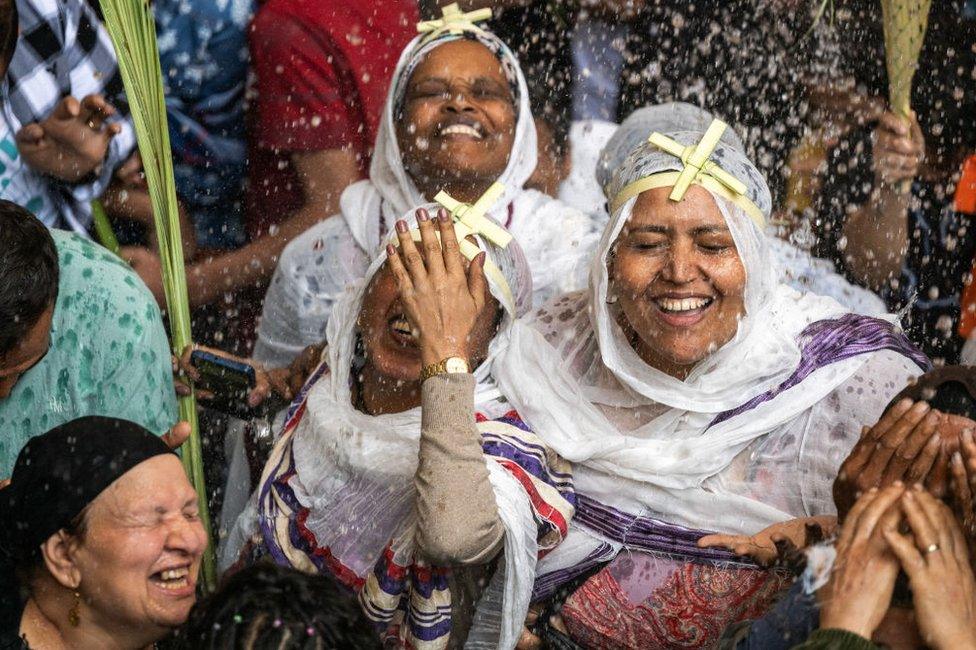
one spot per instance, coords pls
(109, 353)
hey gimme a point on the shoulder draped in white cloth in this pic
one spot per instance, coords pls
(754, 434)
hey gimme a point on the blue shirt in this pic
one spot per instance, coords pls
(204, 57)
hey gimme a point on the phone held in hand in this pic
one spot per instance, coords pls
(230, 382)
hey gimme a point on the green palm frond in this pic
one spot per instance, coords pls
(132, 28)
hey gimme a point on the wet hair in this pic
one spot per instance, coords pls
(28, 273)
(550, 105)
(9, 24)
(950, 390)
(269, 607)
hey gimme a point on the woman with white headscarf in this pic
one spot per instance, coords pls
(383, 479)
(693, 392)
(800, 269)
(458, 118)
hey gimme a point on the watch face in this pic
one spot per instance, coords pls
(455, 364)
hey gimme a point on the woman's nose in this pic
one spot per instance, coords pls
(187, 536)
(458, 102)
(680, 267)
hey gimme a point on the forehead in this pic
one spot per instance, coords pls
(460, 58)
(139, 487)
(697, 209)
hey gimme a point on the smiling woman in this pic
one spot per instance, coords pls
(692, 390)
(679, 279)
(457, 118)
(106, 559)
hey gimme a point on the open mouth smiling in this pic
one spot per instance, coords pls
(467, 129)
(176, 580)
(682, 311)
(401, 331)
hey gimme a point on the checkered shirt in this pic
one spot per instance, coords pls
(63, 49)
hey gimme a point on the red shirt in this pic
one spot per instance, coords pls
(323, 69)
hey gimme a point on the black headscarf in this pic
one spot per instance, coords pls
(56, 476)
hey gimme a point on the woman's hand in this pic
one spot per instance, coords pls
(936, 559)
(863, 577)
(763, 548)
(964, 486)
(899, 149)
(903, 446)
(263, 385)
(441, 301)
(72, 142)
(287, 382)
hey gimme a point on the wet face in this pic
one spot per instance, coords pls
(678, 278)
(26, 353)
(391, 344)
(139, 556)
(458, 121)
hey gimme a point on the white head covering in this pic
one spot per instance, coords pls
(663, 118)
(639, 435)
(355, 471)
(390, 187)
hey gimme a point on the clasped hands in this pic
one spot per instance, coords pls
(911, 443)
(71, 143)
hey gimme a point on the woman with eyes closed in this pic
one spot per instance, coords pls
(93, 553)
(457, 119)
(693, 393)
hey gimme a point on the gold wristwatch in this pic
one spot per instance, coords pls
(448, 365)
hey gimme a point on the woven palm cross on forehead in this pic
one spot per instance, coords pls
(453, 21)
(696, 168)
(470, 220)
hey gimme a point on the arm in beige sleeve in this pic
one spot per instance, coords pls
(456, 508)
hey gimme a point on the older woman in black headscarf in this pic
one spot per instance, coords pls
(100, 542)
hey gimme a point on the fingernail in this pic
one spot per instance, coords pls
(898, 484)
(443, 215)
(907, 402)
(956, 458)
(873, 490)
(390, 251)
(401, 226)
(917, 487)
(422, 215)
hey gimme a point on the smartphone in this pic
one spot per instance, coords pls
(230, 382)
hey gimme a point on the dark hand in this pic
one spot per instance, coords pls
(72, 142)
(287, 382)
(149, 268)
(936, 559)
(863, 577)
(903, 446)
(441, 300)
(763, 548)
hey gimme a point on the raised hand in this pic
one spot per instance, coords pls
(442, 301)
(899, 149)
(863, 577)
(903, 446)
(72, 142)
(936, 559)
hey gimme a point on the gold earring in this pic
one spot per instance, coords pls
(73, 616)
